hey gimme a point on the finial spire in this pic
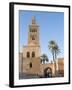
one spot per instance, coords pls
(33, 20)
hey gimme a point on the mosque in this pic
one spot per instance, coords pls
(29, 58)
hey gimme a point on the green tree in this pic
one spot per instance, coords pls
(44, 58)
(54, 49)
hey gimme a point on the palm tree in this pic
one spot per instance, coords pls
(44, 58)
(54, 49)
(51, 47)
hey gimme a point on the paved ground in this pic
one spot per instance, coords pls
(25, 76)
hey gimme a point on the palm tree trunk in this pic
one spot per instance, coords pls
(43, 61)
(55, 63)
(53, 56)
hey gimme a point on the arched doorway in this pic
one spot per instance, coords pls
(48, 72)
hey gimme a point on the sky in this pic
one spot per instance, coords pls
(51, 27)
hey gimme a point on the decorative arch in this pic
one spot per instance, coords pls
(33, 37)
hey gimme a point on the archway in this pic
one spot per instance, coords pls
(48, 72)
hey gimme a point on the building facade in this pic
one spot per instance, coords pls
(30, 61)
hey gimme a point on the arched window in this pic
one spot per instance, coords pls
(33, 54)
(30, 65)
(33, 37)
(28, 54)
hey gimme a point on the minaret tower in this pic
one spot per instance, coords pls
(33, 33)
(31, 52)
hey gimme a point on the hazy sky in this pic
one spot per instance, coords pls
(51, 27)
